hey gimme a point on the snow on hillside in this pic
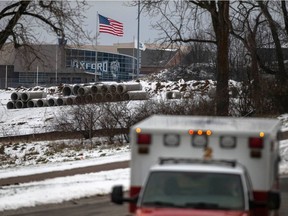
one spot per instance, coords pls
(34, 120)
(16, 121)
(35, 157)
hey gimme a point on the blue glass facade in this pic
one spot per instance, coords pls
(110, 66)
(63, 64)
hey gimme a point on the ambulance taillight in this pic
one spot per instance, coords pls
(144, 139)
(256, 144)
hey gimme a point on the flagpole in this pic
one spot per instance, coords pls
(138, 40)
(96, 52)
(133, 64)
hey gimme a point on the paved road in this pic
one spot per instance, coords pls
(93, 206)
(62, 173)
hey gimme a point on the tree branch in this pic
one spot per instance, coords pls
(11, 24)
(45, 20)
(9, 7)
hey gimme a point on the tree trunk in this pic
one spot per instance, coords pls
(254, 70)
(220, 21)
(281, 74)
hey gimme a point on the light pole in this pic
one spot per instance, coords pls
(6, 77)
(56, 64)
(138, 41)
(37, 77)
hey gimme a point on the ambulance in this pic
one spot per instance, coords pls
(203, 166)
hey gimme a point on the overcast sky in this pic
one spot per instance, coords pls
(119, 11)
(114, 9)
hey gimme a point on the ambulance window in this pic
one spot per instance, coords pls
(199, 190)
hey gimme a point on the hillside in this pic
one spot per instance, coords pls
(34, 121)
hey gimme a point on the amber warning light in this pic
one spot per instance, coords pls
(200, 132)
(200, 137)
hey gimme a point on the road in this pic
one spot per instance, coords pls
(62, 173)
(93, 206)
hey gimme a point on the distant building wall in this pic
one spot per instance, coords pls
(8, 78)
(54, 64)
(48, 64)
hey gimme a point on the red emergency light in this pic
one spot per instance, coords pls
(256, 142)
(144, 139)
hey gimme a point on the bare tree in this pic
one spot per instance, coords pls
(20, 20)
(285, 15)
(97, 119)
(246, 18)
(219, 11)
(80, 118)
(116, 116)
(180, 21)
(276, 15)
(281, 75)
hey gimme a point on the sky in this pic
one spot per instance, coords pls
(27, 120)
(118, 10)
(127, 15)
(114, 9)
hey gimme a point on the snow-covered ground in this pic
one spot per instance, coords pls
(24, 161)
(57, 190)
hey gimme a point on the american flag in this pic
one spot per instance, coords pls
(110, 26)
